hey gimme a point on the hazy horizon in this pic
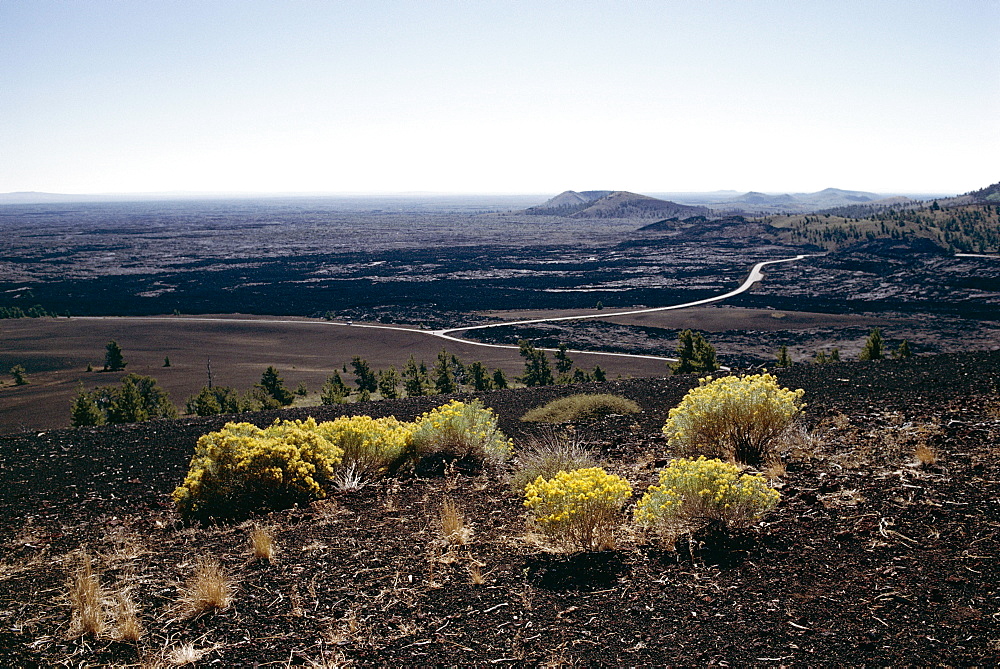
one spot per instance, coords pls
(351, 97)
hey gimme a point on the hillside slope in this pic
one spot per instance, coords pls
(870, 558)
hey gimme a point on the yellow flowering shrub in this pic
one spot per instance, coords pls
(736, 418)
(242, 468)
(579, 508)
(371, 446)
(692, 493)
(459, 431)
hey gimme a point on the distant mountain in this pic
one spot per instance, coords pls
(989, 194)
(568, 202)
(614, 204)
(755, 198)
(836, 197)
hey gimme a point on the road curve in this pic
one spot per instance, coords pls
(756, 274)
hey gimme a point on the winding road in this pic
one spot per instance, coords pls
(756, 274)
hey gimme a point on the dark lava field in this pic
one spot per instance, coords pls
(870, 558)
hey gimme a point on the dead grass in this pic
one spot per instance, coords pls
(262, 546)
(86, 598)
(208, 589)
(548, 453)
(926, 455)
(128, 626)
(455, 530)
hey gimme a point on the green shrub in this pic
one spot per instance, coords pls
(579, 508)
(735, 418)
(243, 468)
(692, 493)
(459, 431)
(580, 408)
(371, 446)
(548, 454)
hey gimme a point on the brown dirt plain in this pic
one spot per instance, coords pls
(240, 349)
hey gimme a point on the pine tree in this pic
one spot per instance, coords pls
(415, 378)
(388, 383)
(599, 374)
(694, 354)
(334, 391)
(784, 360)
(19, 374)
(114, 360)
(536, 366)
(873, 348)
(444, 377)
(274, 386)
(499, 379)
(480, 376)
(564, 364)
(366, 379)
(84, 410)
(903, 351)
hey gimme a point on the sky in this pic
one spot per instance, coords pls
(470, 96)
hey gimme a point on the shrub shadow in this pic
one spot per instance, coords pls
(580, 571)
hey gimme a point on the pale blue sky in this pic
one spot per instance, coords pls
(303, 96)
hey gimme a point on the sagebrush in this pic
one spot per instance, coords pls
(580, 508)
(694, 492)
(735, 418)
(581, 408)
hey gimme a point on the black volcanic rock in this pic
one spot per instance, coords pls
(894, 248)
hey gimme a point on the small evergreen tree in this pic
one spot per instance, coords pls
(272, 384)
(166, 361)
(784, 360)
(499, 379)
(84, 410)
(903, 351)
(366, 379)
(114, 359)
(388, 383)
(821, 357)
(536, 366)
(334, 391)
(416, 381)
(599, 375)
(694, 354)
(302, 390)
(873, 348)
(19, 374)
(564, 364)
(480, 376)
(835, 355)
(444, 377)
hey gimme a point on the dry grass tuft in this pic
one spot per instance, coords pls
(476, 574)
(185, 654)
(775, 469)
(209, 589)
(925, 455)
(128, 627)
(262, 545)
(86, 600)
(454, 529)
(548, 453)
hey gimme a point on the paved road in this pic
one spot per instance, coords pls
(756, 274)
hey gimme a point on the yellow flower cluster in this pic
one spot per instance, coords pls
(577, 507)
(734, 417)
(242, 467)
(461, 430)
(370, 445)
(697, 491)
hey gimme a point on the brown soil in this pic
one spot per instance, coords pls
(56, 353)
(870, 557)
